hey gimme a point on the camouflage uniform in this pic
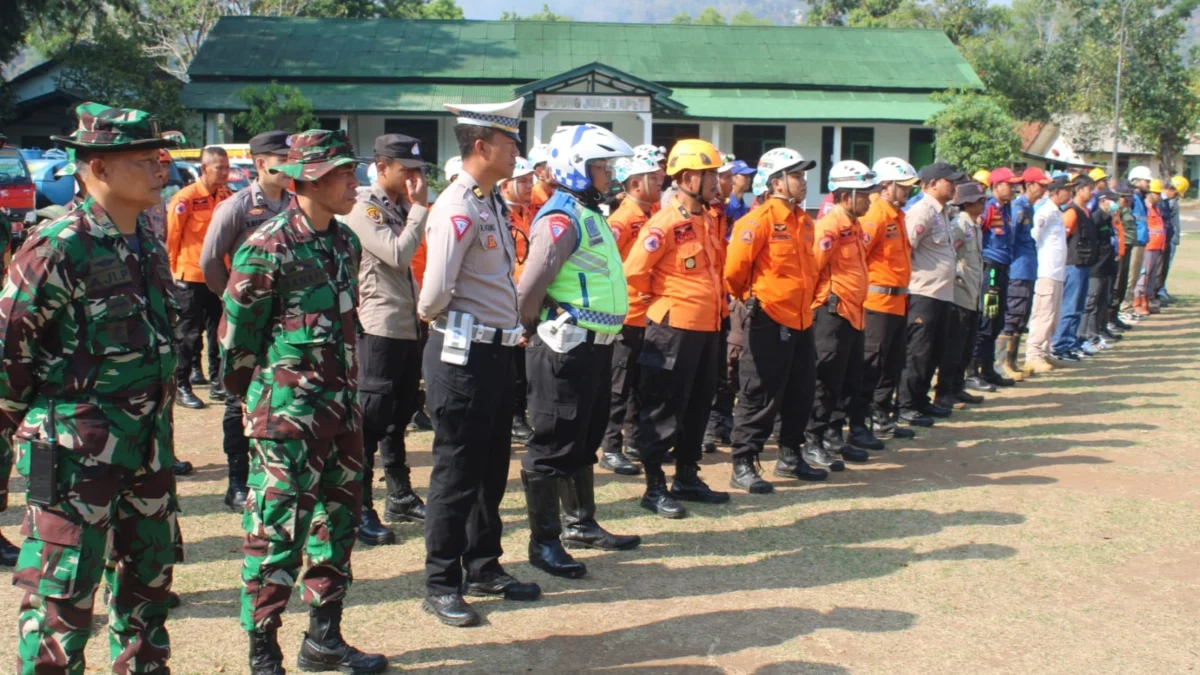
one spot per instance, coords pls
(289, 336)
(85, 327)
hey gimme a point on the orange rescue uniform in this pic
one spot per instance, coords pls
(520, 218)
(188, 216)
(626, 222)
(1158, 231)
(678, 261)
(542, 192)
(841, 264)
(770, 257)
(889, 256)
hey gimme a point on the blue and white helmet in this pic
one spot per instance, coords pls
(628, 167)
(571, 148)
(656, 153)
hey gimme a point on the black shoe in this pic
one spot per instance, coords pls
(934, 410)
(521, 431)
(978, 383)
(1116, 321)
(992, 377)
(747, 476)
(9, 552)
(504, 585)
(1066, 356)
(853, 454)
(690, 488)
(861, 437)
(421, 422)
(817, 456)
(708, 447)
(235, 497)
(618, 463)
(546, 551)
(658, 499)
(236, 493)
(914, 418)
(949, 401)
(451, 610)
(633, 453)
(181, 468)
(789, 464)
(173, 600)
(904, 434)
(403, 504)
(187, 399)
(323, 648)
(580, 529)
(197, 378)
(266, 658)
(965, 397)
(372, 532)
(216, 392)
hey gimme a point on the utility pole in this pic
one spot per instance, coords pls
(1117, 103)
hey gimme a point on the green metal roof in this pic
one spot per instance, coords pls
(806, 105)
(262, 48)
(331, 97)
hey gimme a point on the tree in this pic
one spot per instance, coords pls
(544, 15)
(682, 18)
(745, 18)
(974, 131)
(271, 106)
(710, 17)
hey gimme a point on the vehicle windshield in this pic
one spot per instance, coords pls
(12, 168)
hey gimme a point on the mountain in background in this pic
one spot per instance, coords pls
(650, 11)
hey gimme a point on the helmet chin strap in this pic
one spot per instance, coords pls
(785, 196)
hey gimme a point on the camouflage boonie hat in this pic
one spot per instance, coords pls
(104, 128)
(314, 153)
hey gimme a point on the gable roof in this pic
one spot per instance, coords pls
(263, 48)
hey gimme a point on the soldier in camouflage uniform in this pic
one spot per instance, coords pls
(86, 320)
(8, 552)
(289, 334)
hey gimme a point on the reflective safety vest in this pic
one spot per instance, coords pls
(590, 285)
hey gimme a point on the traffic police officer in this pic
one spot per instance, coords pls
(232, 222)
(676, 265)
(573, 302)
(999, 239)
(770, 268)
(389, 220)
(471, 299)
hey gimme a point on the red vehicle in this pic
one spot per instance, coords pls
(18, 194)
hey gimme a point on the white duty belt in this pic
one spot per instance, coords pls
(509, 337)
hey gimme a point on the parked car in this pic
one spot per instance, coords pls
(18, 194)
(51, 189)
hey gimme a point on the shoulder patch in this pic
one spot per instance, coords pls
(181, 207)
(653, 241)
(826, 242)
(461, 225)
(558, 224)
(477, 192)
(374, 214)
(747, 236)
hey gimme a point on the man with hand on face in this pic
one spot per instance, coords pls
(86, 318)
(470, 298)
(389, 220)
(676, 265)
(233, 221)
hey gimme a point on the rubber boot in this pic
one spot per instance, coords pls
(546, 552)
(1006, 358)
(324, 649)
(266, 658)
(403, 504)
(578, 496)
(235, 494)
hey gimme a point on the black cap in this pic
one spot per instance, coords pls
(1060, 183)
(404, 149)
(967, 193)
(1110, 195)
(270, 143)
(940, 170)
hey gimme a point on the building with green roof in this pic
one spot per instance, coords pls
(832, 93)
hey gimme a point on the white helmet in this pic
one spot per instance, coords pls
(774, 161)
(849, 174)
(654, 152)
(453, 168)
(1140, 173)
(628, 167)
(539, 154)
(571, 148)
(523, 168)
(895, 170)
(727, 160)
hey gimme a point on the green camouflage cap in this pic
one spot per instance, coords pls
(314, 153)
(104, 128)
(69, 168)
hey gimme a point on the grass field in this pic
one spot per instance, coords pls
(1053, 529)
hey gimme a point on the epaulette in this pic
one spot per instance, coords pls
(477, 192)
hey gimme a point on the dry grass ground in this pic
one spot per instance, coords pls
(1052, 530)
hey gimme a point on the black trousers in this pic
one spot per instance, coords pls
(677, 381)
(389, 381)
(235, 442)
(962, 325)
(926, 340)
(199, 313)
(995, 276)
(520, 383)
(1121, 283)
(839, 349)
(471, 409)
(568, 402)
(623, 396)
(721, 416)
(776, 378)
(1019, 306)
(885, 339)
(1095, 308)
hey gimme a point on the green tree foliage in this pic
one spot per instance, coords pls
(544, 15)
(681, 18)
(974, 132)
(711, 17)
(272, 106)
(745, 18)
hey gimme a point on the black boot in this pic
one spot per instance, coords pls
(420, 422)
(632, 452)
(657, 498)
(747, 476)
(216, 392)
(619, 464)
(689, 487)
(988, 370)
(817, 456)
(403, 505)
(967, 397)
(835, 445)
(789, 464)
(266, 658)
(521, 431)
(9, 552)
(235, 494)
(546, 552)
(181, 467)
(197, 378)
(581, 530)
(324, 649)
(976, 380)
(372, 532)
(861, 437)
(185, 398)
(883, 426)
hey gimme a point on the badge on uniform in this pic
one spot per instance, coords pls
(593, 231)
(920, 228)
(690, 263)
(483, 215)
(256, 211)
(684, 234)
(375, 214)
(780, 227)
(747, 236)
(461, 225)
(826, 243)
(866, 236)
(652, 242)
(491, 241)
(181, 208)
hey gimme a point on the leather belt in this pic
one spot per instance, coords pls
(887, 290)
(506, 337)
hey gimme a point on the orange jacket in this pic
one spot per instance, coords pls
(626, 222)
(418, 263)
(889, 256)
(1120, 228)
(188, 216)
(841, 265)
(542, 192)
(1158, 231)
(770, 257)
(519, 220)
(678, 261)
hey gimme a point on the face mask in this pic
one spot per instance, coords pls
(1114, 207)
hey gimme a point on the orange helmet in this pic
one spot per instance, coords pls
(693, 154)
